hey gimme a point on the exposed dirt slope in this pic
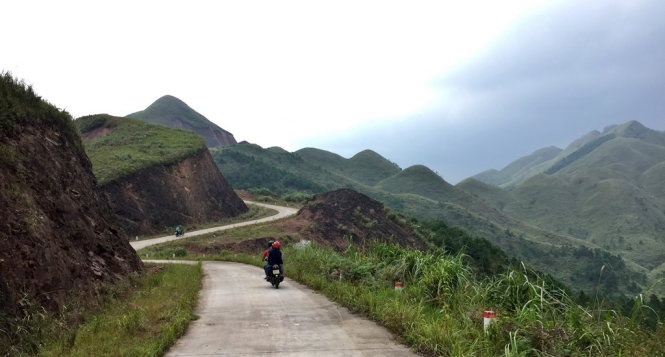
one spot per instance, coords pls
(161, 197)
(335, 219)
(59, 239)
(342, 216)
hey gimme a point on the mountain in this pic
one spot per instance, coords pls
(60, 242)
(172, 112)
(156, 177)
(519, 170)
(605, 189)
(419, 180)
(420, 192)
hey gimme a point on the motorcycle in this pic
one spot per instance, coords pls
(179, 233)
(275, 276)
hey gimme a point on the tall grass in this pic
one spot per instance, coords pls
(439, 310)
(141, 319)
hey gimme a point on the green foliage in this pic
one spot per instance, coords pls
(132, 145)
(9, 155)
(439, 310)
(479, 253)
(143, 321)
(20, 106)
(244, 170)
(577, 154)
(606, 207)
(168, 108)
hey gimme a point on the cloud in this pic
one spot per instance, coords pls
(567, 69)
(458, 86)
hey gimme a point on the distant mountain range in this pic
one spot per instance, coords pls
(600, 203)
(606, 188)
(592, 214)
(172, 112)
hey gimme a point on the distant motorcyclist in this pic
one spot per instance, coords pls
(179, 231)
(274, 257)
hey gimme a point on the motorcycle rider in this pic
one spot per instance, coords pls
(274, 257)
(178, 231)
(265, 252)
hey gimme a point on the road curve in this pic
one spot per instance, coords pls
(242, 315)
(282, 212)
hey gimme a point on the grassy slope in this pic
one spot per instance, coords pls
(419, 192)
(168, 108)
(20, 105)
(133, 145)
(439, 312)
(609, 195)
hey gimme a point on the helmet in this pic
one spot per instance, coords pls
(270, 242)
(276, 245)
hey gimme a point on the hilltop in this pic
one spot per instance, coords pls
(418, 191)
(173, 112)
(605, 189)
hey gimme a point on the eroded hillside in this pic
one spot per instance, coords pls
(155, 177)
(59, 241)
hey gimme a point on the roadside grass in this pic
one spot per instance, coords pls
(439, 310)
(144, 321)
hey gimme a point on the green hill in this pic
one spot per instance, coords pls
(121, 146)
(419, 192)
(606, 190)
(419, 180)
(172, 112)
(520, 169)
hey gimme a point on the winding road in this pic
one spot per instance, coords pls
(282, 212)
(242, 315)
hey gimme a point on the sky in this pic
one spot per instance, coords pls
(458, 86)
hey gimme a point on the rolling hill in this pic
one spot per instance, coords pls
(172, 112)
(605, 189)
(420, 192)
(510, 207)
(156, 177)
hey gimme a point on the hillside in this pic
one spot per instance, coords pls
(172, 112)
(156, 177)
(519, 170)
(605, 189)
(60, 242)
(119, 147)
(419, 192)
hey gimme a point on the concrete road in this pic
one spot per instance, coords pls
(242, 315)
(281, 213)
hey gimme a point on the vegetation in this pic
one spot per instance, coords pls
(166, 108)
(577, 154)
(132, 145)
(593, 202)
(20, 106)
(143, 316)
(439, 310)
(245, 167)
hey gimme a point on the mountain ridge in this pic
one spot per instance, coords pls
(173, 112)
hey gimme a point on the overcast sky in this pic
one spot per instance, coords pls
(459, 86)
